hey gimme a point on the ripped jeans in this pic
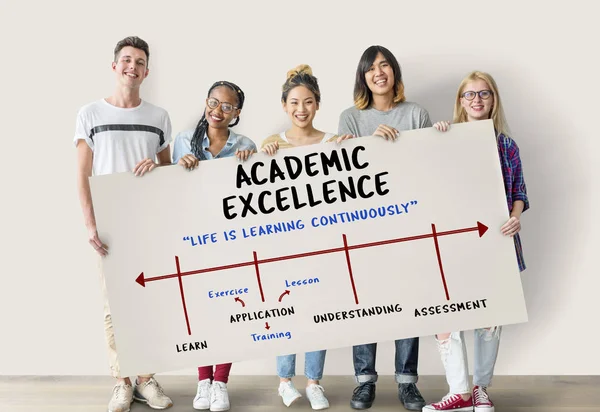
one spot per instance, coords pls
(454, 357)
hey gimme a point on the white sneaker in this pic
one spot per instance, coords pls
(288, 392)
(202, 399)
(316, 396)
(151, 393)
(121, 399)
(219, 398)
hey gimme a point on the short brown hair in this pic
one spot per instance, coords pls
(133, 41)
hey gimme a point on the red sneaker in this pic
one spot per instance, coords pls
(482, 400)
(451, 402)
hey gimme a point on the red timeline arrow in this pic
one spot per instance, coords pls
(481, 229)
(287, 292)
(241, 301)
(140, 279)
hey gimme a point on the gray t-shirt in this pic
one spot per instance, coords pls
(405, 116)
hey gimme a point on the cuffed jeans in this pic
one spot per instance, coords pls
(454, 357)
(314, 362)
(407, 361)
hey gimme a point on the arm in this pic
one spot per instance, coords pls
(519, 193)
(182, 154)
(164, 156)
(84, 171)
(163, 152)
(425, 120)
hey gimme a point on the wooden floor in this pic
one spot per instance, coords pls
(253, 394)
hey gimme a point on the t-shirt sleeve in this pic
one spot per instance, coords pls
(167, 131)
(424, 120)
(181, 147)
(82, 130)
(271, 139)
(347, 125)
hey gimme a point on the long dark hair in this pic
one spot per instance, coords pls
(363, 97)
(196, 144)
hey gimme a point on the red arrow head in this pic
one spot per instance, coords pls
(140, 279)
(267, 327)
(481, 228)
(287, 292)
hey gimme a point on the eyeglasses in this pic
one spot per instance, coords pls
(484, 94)
(214, 103)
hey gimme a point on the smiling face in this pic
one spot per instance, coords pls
(218, 118)
(380, 77)
(301, 106)
(131, 67)
(478, 108)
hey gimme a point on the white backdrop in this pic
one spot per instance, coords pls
(56, 57)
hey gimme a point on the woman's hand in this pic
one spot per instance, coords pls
(189, 162)
(511, 227)
(442, 126)
(243, 155)
(343, 137)
(271, 148)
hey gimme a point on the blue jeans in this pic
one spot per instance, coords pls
(314, 363)
(407, 360)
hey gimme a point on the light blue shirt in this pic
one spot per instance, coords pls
(235, 142)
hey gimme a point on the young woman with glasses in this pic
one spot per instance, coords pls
(478, 99)
(213, 139)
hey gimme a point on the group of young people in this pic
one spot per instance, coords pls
(125, 133)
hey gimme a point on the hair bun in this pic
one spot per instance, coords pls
(302, 68)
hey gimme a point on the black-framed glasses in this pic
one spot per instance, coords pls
(214, 103)
(484, 94)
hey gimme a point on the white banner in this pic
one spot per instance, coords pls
(319, 247)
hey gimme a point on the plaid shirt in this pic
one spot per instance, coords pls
(514, 183)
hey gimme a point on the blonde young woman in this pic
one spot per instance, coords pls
(478, 99)
(300, 99)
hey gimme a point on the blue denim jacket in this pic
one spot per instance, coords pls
(183, 143)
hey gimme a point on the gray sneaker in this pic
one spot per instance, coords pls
(121, 399)
(151, 393)
(411, 398)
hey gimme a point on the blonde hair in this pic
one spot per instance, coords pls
(301, 68)
(300, 75)
(497, 112)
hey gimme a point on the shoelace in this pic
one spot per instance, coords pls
(205, 390)
(411, 390)
(362, 389)
(317, 391)
(217, 392)
(481, 395)
(448, 399)
(153, 382)
(119, 393)
(287, 388)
